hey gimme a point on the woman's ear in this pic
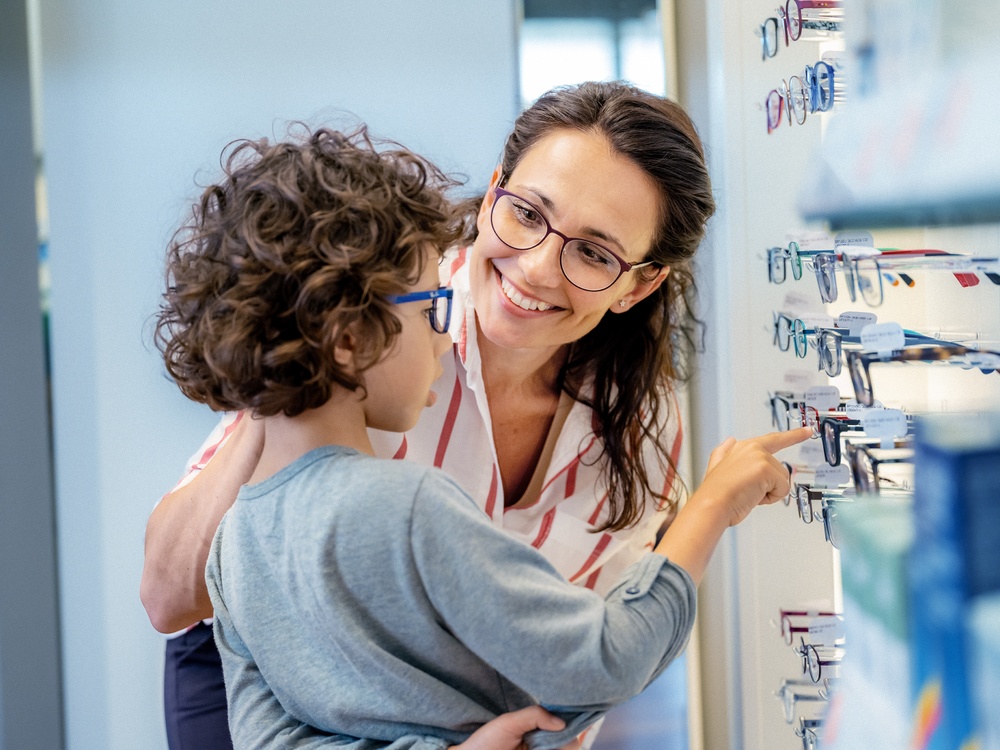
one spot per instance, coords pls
(487, 204)
(640, 291)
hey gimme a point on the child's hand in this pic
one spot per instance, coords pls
(507, 731)
(744, 473)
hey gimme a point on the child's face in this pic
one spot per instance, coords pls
(399, 386)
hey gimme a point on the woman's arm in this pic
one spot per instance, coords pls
(180, 530)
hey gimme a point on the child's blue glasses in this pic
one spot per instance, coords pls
(439, 313)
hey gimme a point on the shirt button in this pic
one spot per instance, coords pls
(632, 590)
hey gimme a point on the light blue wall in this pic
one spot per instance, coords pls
(138, 97)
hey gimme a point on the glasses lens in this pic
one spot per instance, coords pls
(864, 476)
(783, 332)
(776, 268)
(824, 86)
(829, 346)
(831, 527)
(774, 107)
(769, 37)
(826, 276)
(869, 278)
(788, 703)
(804, 506)
(831, 442)
(794, 15)
(795, 260)
(812, 663)
(859, 379)
(441, 314)
(589, 266)
(799, 337)
(798, 99)
(517, 223)
(849, 277)
(779, 413)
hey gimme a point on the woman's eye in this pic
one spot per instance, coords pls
(594, 254)
(526, 214)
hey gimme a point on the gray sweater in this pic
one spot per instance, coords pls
(364, 598)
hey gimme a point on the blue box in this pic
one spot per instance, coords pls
(955, 558)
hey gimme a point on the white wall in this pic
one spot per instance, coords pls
(137, 98)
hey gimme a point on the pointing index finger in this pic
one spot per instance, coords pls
(776, 441)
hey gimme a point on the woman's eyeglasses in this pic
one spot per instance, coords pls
(586, 264)
(439, 313)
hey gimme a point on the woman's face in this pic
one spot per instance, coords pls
(583, 189)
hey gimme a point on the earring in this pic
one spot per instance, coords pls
(621, 303)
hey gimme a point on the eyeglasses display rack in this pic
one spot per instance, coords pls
(853, 275)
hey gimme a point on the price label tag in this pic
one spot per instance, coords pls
(831, 476)
(826, 631)
(853, 239)
(823, 397)
(817, 320)
(812, 240)
(854, 321)
(883, 423)
(855, 410)
(882, 337)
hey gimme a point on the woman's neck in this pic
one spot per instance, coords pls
(534, 371)
(340, 421)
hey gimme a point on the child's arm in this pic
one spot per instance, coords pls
(180, 529)
(574, 652)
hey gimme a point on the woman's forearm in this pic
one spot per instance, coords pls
(180, 531)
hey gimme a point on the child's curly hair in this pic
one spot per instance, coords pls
(299, 240)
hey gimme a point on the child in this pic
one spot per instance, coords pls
(367, 598)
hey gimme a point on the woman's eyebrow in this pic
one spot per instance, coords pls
(593, 231)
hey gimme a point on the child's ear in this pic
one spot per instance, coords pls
(344, 346)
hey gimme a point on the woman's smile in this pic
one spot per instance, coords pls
(522, 299)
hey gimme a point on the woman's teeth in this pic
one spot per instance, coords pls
(525, 304)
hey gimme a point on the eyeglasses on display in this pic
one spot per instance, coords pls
(586, 264)
(439, 313)
(793, 17)
(864, 462)
(813, 662)
(859, 363)
(792, 692)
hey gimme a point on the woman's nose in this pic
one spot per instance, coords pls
(540, 264)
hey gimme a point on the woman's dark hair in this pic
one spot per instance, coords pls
(298, 241)
(633, 358)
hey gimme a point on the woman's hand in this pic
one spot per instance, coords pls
(506, 732)
(743, 474)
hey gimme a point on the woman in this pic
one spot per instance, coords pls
(556, 412)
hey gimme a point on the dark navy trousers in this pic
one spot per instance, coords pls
(194, 694)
